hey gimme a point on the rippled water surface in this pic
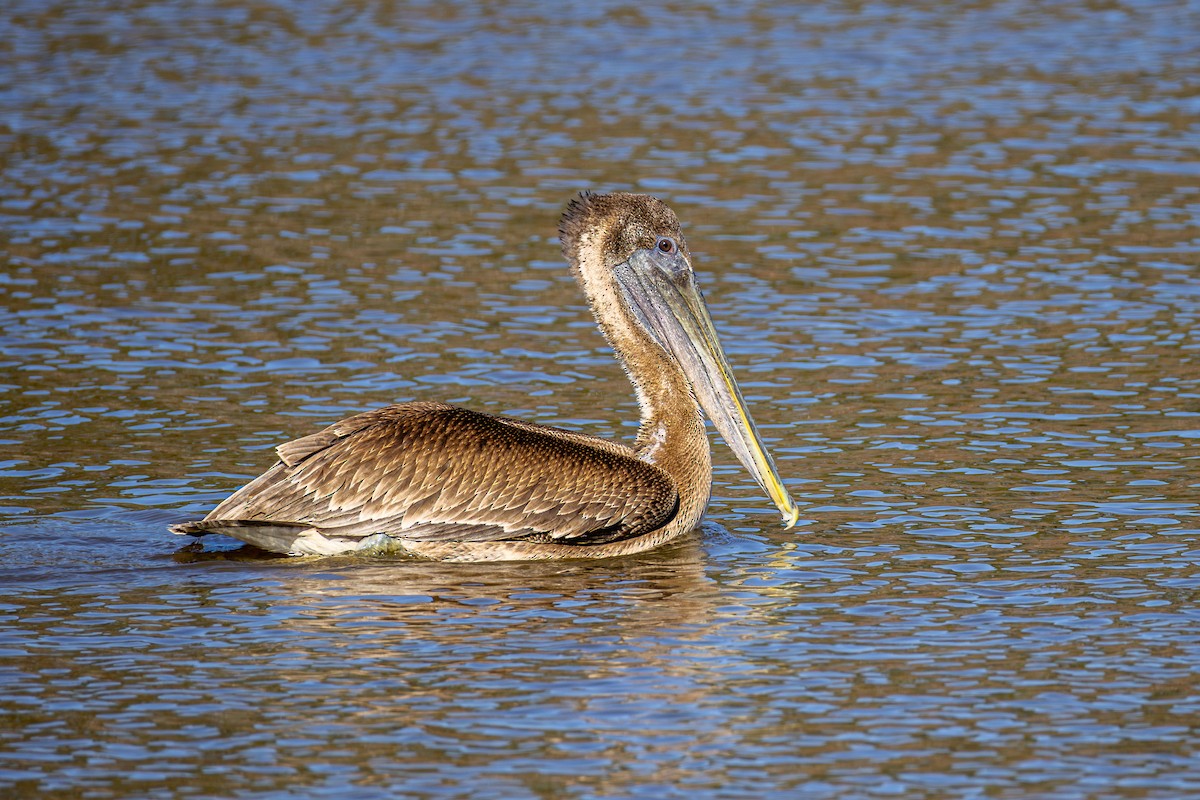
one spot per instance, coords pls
(952, 250)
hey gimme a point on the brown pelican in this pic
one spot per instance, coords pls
(442, 482)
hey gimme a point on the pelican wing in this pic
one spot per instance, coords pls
(433, 472)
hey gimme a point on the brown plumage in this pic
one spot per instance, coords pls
(443, 482)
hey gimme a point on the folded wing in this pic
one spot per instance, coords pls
(433, 472)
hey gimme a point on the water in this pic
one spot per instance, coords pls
(953, 255)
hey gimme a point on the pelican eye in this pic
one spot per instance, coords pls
(666, 244)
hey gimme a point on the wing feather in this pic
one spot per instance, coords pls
(433, 472)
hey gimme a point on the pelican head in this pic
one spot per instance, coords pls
(629, 255)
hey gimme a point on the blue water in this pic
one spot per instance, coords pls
(952, 256)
